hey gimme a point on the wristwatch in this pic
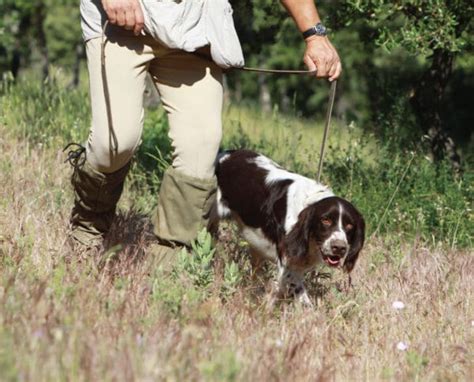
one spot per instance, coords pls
(318, 30)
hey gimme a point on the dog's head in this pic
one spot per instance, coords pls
(331, 230)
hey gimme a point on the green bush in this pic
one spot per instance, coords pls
(47, 113)
(404, 193)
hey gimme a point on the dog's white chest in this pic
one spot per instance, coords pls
(259, 242)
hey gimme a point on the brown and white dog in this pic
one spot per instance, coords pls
(287, 218)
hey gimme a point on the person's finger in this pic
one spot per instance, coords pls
(129, 19)
(332, 67)
(112, 16)
(121, 19)
(332, 64)
(337, 73)
(108, 12)
(323, 67)
(139, 21)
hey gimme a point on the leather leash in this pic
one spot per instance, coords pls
(277, 71)
(113, 142)
(327, 123)
(332, 94)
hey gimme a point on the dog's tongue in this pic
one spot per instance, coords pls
(331, 261)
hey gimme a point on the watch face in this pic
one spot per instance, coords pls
(320, 29)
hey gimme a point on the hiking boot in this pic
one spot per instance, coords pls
(96, 196)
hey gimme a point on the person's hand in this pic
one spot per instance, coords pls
(322, 56)
(125, 13)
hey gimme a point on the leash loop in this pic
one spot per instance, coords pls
(75, 157)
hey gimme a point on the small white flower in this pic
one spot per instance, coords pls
(58, 334)
(398, 305)
(279, 343)
(472, 323)
(402, 346)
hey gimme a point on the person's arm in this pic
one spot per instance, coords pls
(125, 13)
(320, 54)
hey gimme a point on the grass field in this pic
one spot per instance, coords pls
(114, 316)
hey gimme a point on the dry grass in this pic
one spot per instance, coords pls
(114, 317)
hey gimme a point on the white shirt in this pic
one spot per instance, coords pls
(187, 25)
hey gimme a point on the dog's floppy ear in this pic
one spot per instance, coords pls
(296, 243)
(356, 244)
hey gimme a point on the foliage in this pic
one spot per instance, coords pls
(154, 154)
(197, 265)
(420, 27)
(432, 34)
(430, 202)
(10, 24)
(223, 367)
(193, 277)
(232, 278)
(64, 50)
(188, 285)
(26, 27)
(45, 112)
(14, 15)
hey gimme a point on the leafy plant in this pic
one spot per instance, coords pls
(416, 362)
(197, 265)
(224, 367)
(232, 278)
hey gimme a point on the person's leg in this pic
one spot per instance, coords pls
(191, 91)
(98, 178)
(126, 65)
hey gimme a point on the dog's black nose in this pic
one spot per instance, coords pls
(338, 248)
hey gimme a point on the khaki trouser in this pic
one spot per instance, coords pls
(191, 92)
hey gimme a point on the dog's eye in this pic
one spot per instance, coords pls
(326, 222)
(349, 226)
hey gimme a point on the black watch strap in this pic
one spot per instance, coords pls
(317, 30)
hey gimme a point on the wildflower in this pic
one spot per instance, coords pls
(39, 333)
(402, 346)
(398, 305)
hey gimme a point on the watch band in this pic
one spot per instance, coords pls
(317, 30)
